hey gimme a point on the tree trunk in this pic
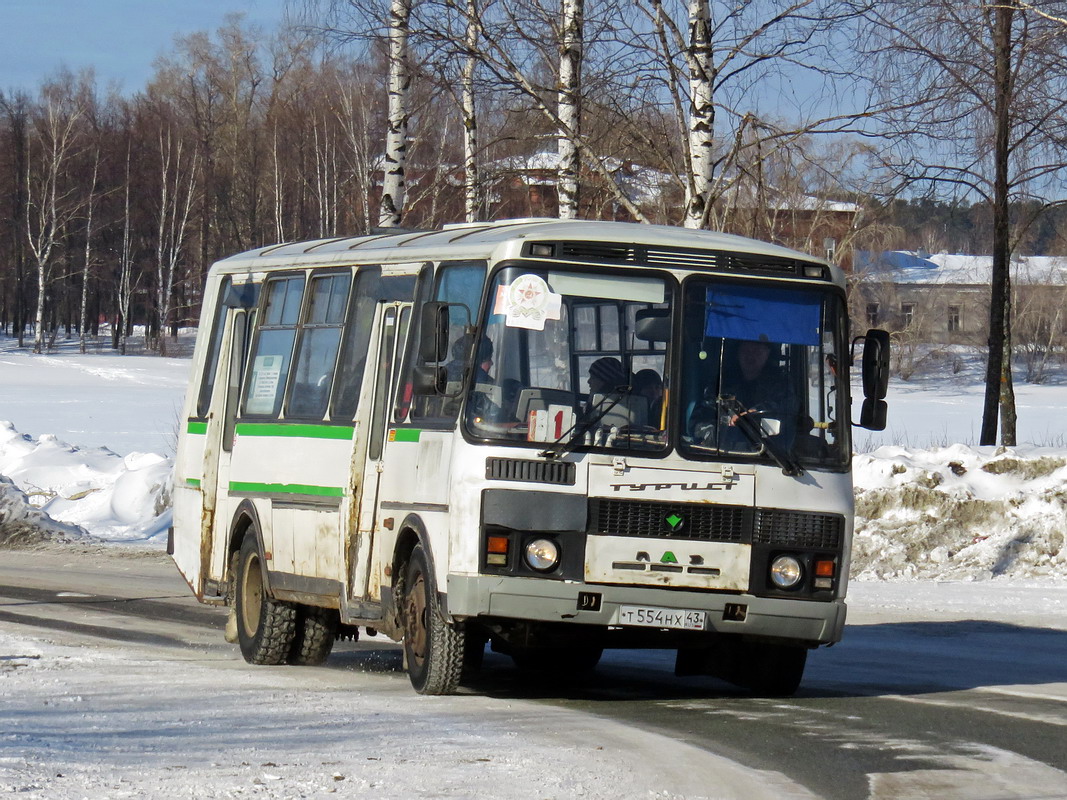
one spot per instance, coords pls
(701, 115)
(472, 206)
(83, 316)
(999, 392)
(570, 71)
(391, 210)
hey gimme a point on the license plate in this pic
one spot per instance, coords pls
(652, 617)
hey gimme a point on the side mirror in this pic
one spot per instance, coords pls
(433, 333)
(653, 325)
(428, 381)
(873, 415)
(875, 367)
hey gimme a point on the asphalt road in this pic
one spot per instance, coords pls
(906, 706)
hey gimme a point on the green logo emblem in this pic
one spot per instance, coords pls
(668, 558)
(675, 522)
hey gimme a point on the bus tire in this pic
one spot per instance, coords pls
(774, 670)
(316, 630)
(433, 648)
(265, 627)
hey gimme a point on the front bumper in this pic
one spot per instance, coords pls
(533, 599)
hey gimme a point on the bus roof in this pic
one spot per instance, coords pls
(578, 240)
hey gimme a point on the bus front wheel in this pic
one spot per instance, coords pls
(433, 648)
(265, 627)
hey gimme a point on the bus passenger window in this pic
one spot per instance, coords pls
(274, 347)
(207, 384)
(316, 355)
(356, 343)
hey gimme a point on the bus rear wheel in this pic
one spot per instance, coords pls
(266, 627)
(433, 648)
(316, 630)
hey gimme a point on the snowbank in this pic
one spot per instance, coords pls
(72, 491)
(961, 513)
(22, 525)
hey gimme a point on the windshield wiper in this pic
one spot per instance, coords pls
(754, 432)
(577, 431)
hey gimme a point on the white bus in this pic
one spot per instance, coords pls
(551, 437)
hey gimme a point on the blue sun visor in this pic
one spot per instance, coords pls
(761, 314)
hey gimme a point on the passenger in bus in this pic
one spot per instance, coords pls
(606, 375)
(649, 385)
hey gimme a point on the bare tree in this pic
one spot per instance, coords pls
(177, 186)
(988, 85)
(52, 199)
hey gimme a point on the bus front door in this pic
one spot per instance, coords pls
(392, 327)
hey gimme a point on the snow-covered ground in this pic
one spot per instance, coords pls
(89, 440)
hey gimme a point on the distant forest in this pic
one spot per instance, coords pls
(942, 227)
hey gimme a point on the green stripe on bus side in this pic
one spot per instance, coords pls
(405, 434)
(194, 482)
(295, 430)
(196, 427)
(287, 488)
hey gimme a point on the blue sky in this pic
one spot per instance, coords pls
(119, 38)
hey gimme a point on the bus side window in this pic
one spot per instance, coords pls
(211, 363)
(356, 342)
(461, 284)
(273, 349)
(316, 355)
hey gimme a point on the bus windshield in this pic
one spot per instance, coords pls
(561, 360)
(581, 359)
(759, 374)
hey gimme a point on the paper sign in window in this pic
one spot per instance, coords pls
(527, 302)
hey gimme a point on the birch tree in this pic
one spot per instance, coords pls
(471, 180)
(391, 210)
(52, 201)
(572, 13)
(177, 185)
(90, 207)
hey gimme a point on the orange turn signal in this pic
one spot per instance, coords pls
(824, 569)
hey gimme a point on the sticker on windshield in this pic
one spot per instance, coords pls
(527, 302)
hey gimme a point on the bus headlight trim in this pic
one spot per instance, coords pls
(542, 554)
(786, 572)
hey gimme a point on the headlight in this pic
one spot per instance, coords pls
(542, 554)
(786, 572)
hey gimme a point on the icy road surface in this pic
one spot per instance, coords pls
(114, 683)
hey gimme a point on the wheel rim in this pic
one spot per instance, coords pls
(251, 595)
(416, 627)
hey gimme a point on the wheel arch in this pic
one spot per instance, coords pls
(413, 532)
(245, 518)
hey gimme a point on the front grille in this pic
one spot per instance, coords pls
(698, 521)
(518, 469)
(781, 528)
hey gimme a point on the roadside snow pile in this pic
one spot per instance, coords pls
(22, 525)
(961, 513)
(113, 498)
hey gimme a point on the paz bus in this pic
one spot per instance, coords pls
(547, 437)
